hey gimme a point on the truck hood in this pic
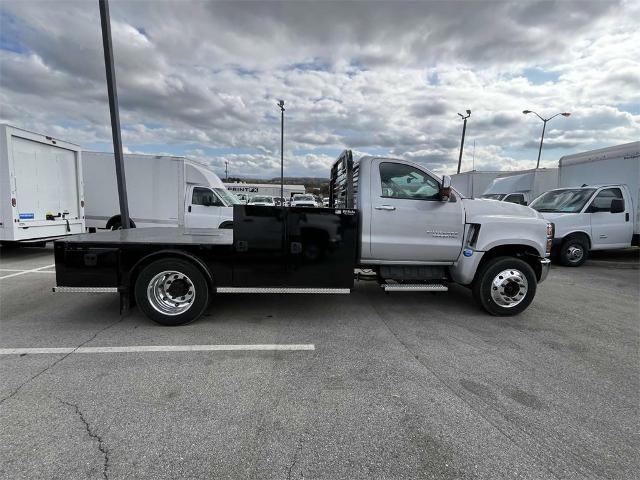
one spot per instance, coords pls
(478, 207)
(555, 216)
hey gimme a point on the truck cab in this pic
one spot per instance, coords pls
(415, 230)
(589, 218)
(208, 207)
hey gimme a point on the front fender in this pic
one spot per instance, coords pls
(498, 231)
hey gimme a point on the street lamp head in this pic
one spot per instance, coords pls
(566, 114)
(526, 111)
(468, 112)
(461, 116)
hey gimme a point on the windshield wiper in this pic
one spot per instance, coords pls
(546, 210)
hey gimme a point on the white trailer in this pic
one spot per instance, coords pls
(162, 191)
(522, 187)
(41, 191)
(473, 183)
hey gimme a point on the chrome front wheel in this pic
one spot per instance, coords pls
(509, 288)
(505, 285)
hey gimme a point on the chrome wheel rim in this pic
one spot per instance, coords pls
(509, 288)
(171, 292)
(574, 254)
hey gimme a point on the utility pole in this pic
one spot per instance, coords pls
(113, 110)
(544, 127)
(464, 129)
(281, 105)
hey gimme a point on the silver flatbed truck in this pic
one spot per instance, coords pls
(389, 216)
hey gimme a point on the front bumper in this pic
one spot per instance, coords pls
(545, 266)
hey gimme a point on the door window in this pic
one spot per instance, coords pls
(602, 202)
(205, 197)
(404, 181)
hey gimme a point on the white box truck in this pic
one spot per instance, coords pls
(40, 187)
(472, 184)
(522, 187)
(596, 206)
(162, 191)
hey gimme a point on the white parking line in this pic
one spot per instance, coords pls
(158, 348)
(22, 272)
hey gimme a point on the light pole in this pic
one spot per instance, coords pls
(544, 127)
(112, 91)
(226, 169)
(281, 105)
(464, 129)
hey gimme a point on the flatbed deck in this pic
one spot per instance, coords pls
(156, 236)
(269, 247)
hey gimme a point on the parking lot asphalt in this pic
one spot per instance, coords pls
(399, 386)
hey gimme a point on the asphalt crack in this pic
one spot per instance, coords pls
(94, 436)
(49, 367)
(295, 460)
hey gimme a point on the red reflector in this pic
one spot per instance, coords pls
(13, 202)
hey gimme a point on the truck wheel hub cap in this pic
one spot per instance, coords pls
(574, 253)
(171, 293)
(509, 288)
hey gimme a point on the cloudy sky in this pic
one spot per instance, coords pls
(202, 79)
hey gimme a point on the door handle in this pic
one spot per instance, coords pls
(189, 209)
(385, 207)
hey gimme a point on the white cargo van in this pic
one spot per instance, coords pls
(41, 193)
(596, 207)
(522, 187)
(162, 191)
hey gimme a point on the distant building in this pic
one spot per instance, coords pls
(244, 191)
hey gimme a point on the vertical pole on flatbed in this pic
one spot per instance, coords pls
(113, 109)
(281, 105)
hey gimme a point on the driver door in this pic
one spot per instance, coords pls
(409, 222)
(203, 208)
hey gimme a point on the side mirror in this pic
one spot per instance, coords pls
(445, 190)
(617, 205)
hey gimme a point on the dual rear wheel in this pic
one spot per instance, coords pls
(172, 292)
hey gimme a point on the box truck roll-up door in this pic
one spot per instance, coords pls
(45, 178)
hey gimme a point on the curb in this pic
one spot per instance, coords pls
(612, 264)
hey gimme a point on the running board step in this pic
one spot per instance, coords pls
(85, 289)
(414, 287)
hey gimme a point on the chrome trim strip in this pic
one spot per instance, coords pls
(414, 287)
(281, 290)
(85, 289)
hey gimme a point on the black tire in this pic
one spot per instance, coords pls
(573, 252)
(187, 279)
(115, 223)
(483, 287)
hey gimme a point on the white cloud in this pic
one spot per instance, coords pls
(383, 77)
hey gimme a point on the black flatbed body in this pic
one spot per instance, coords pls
(280, 247)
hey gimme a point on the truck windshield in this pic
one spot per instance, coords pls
(563, 201)
(262, 199)
(227, 197)
(494, 196)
